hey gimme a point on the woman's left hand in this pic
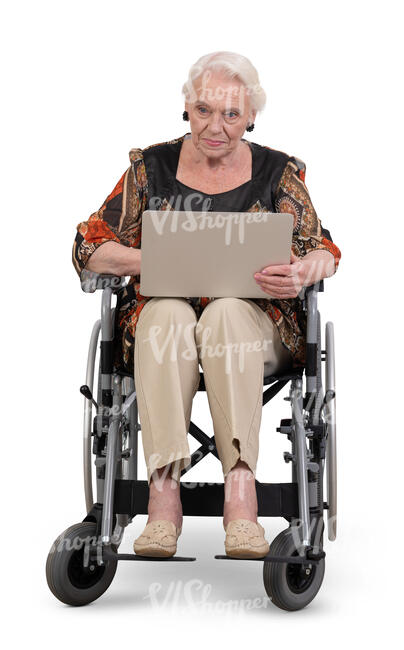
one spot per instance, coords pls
(283, 280)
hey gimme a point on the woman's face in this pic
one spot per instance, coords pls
(219, 113)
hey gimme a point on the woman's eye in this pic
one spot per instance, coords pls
(202, 109)
(232, 114)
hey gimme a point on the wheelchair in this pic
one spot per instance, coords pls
(83, 560)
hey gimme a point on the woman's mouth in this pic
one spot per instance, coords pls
(213, 143)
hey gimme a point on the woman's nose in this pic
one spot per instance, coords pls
(216, 122)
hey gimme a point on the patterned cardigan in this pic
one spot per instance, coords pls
(119, 219)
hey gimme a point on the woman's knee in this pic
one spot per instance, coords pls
(161, 309)
(226, 304)
(167, 330)
(237, 312)
(229, 307)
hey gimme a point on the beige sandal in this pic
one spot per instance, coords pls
(245, 538)
(159, 539)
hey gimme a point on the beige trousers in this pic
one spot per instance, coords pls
(232, 340)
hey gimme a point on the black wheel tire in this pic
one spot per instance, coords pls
(287, 585)
(70, 581)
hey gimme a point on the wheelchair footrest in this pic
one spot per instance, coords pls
(292, 559)
(132, 556)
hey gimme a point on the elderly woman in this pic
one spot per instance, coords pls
(212, 168)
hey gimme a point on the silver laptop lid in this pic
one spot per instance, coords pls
(213, 254)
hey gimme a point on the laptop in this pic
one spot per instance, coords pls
(214, 254)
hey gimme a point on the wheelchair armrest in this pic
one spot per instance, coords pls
(91, 281)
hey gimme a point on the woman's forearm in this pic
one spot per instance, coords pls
(319, 264)
(115, 259)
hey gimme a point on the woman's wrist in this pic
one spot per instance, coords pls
(317, 265)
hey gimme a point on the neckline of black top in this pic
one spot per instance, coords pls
(218, 193)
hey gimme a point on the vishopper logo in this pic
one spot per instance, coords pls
(202, 349)
(204, 93)
(315, 534)
(191, 222)
(90, 545)
(161, 473)
(327, 415)
(311, 398)
(196, 594)
(74, 543)
(236, 483)
(91, 281)
(193, 202)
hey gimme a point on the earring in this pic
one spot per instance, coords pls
(185, 116)
(250, 128)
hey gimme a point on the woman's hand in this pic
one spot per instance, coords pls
(287, 280)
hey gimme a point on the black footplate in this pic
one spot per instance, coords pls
(110, 555)
(293, 559)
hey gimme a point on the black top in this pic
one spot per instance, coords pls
(239, 199)
(161, 165)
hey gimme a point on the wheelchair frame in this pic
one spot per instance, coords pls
(112, 436)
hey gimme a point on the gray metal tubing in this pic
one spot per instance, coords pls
(129, 466)
(293, 438)
(331, 450)
(106, 322)
(134, 441)
(100, 490)
(311, 384)
(119, 529)
(113, 454)
(87, 424)
(301, 459)
(319, 397)
(106, 329)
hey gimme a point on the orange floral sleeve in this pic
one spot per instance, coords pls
(118, 219)
(292, 196)
(102, 226)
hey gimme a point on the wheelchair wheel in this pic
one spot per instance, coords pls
(289, 586)
(88, 415)
(71, 577)
(331, 450)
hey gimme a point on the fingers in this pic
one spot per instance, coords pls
(281, 280)
(278, 269)
(277, 281)
(279, 295)
(280, 287)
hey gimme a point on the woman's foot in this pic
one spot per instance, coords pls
(164, 524)
(159, 539)
(245, 537)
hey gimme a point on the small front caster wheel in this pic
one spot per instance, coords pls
(291, 586)
(72, 576)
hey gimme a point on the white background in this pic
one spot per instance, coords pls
(82, 84)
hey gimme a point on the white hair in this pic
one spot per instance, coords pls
(233, 65)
